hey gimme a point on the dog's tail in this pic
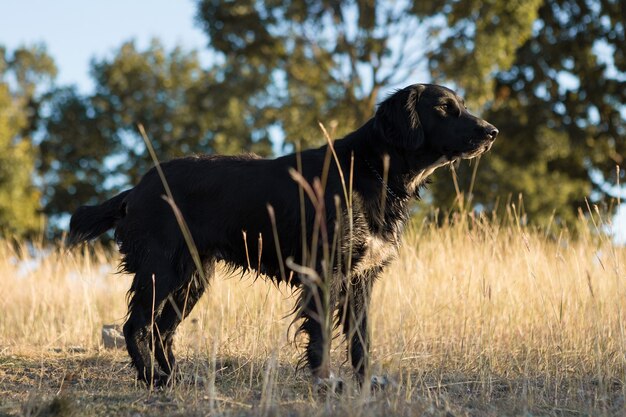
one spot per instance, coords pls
(89, 222)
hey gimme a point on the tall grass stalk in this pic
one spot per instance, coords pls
(472, 311)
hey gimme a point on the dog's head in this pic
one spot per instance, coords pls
(433, 117)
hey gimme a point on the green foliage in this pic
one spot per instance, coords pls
(92, 147)
(558, 102)
(312, 61)
(21, 73)
(275, 66)
(182, 106)
(73, 153)
(479, 39)
(549, 73)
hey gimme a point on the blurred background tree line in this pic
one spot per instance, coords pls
(551, 74)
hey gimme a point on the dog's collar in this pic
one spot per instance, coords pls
(382, 181)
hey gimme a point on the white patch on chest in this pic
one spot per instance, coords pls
(378, 252)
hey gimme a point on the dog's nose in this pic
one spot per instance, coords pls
(491, 132)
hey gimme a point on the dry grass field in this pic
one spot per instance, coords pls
(473, 318)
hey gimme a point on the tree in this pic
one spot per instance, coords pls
(558, 101)
(535, 67)
(21, 74)
(313, 61)
(92, 148)
(74, 154)
(183, 107)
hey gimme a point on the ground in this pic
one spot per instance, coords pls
(101, 384)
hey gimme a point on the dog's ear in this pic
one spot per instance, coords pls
(397, 119)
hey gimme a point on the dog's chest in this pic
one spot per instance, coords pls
(371, 250)
(376, 253)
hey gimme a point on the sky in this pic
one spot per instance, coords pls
(76, 31)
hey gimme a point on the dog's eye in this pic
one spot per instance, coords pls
(445, 107)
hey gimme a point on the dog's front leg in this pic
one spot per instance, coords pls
(354, 311)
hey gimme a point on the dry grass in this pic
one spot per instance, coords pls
(472, 319)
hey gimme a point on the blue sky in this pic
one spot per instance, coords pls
(76, 31)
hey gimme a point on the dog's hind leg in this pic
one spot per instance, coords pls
(146, 301)
(316, 316)
(176, 309)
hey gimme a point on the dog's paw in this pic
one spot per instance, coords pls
(381, 383)
(332, 384)
(160, 381)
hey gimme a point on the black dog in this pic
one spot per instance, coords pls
(224, 200)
